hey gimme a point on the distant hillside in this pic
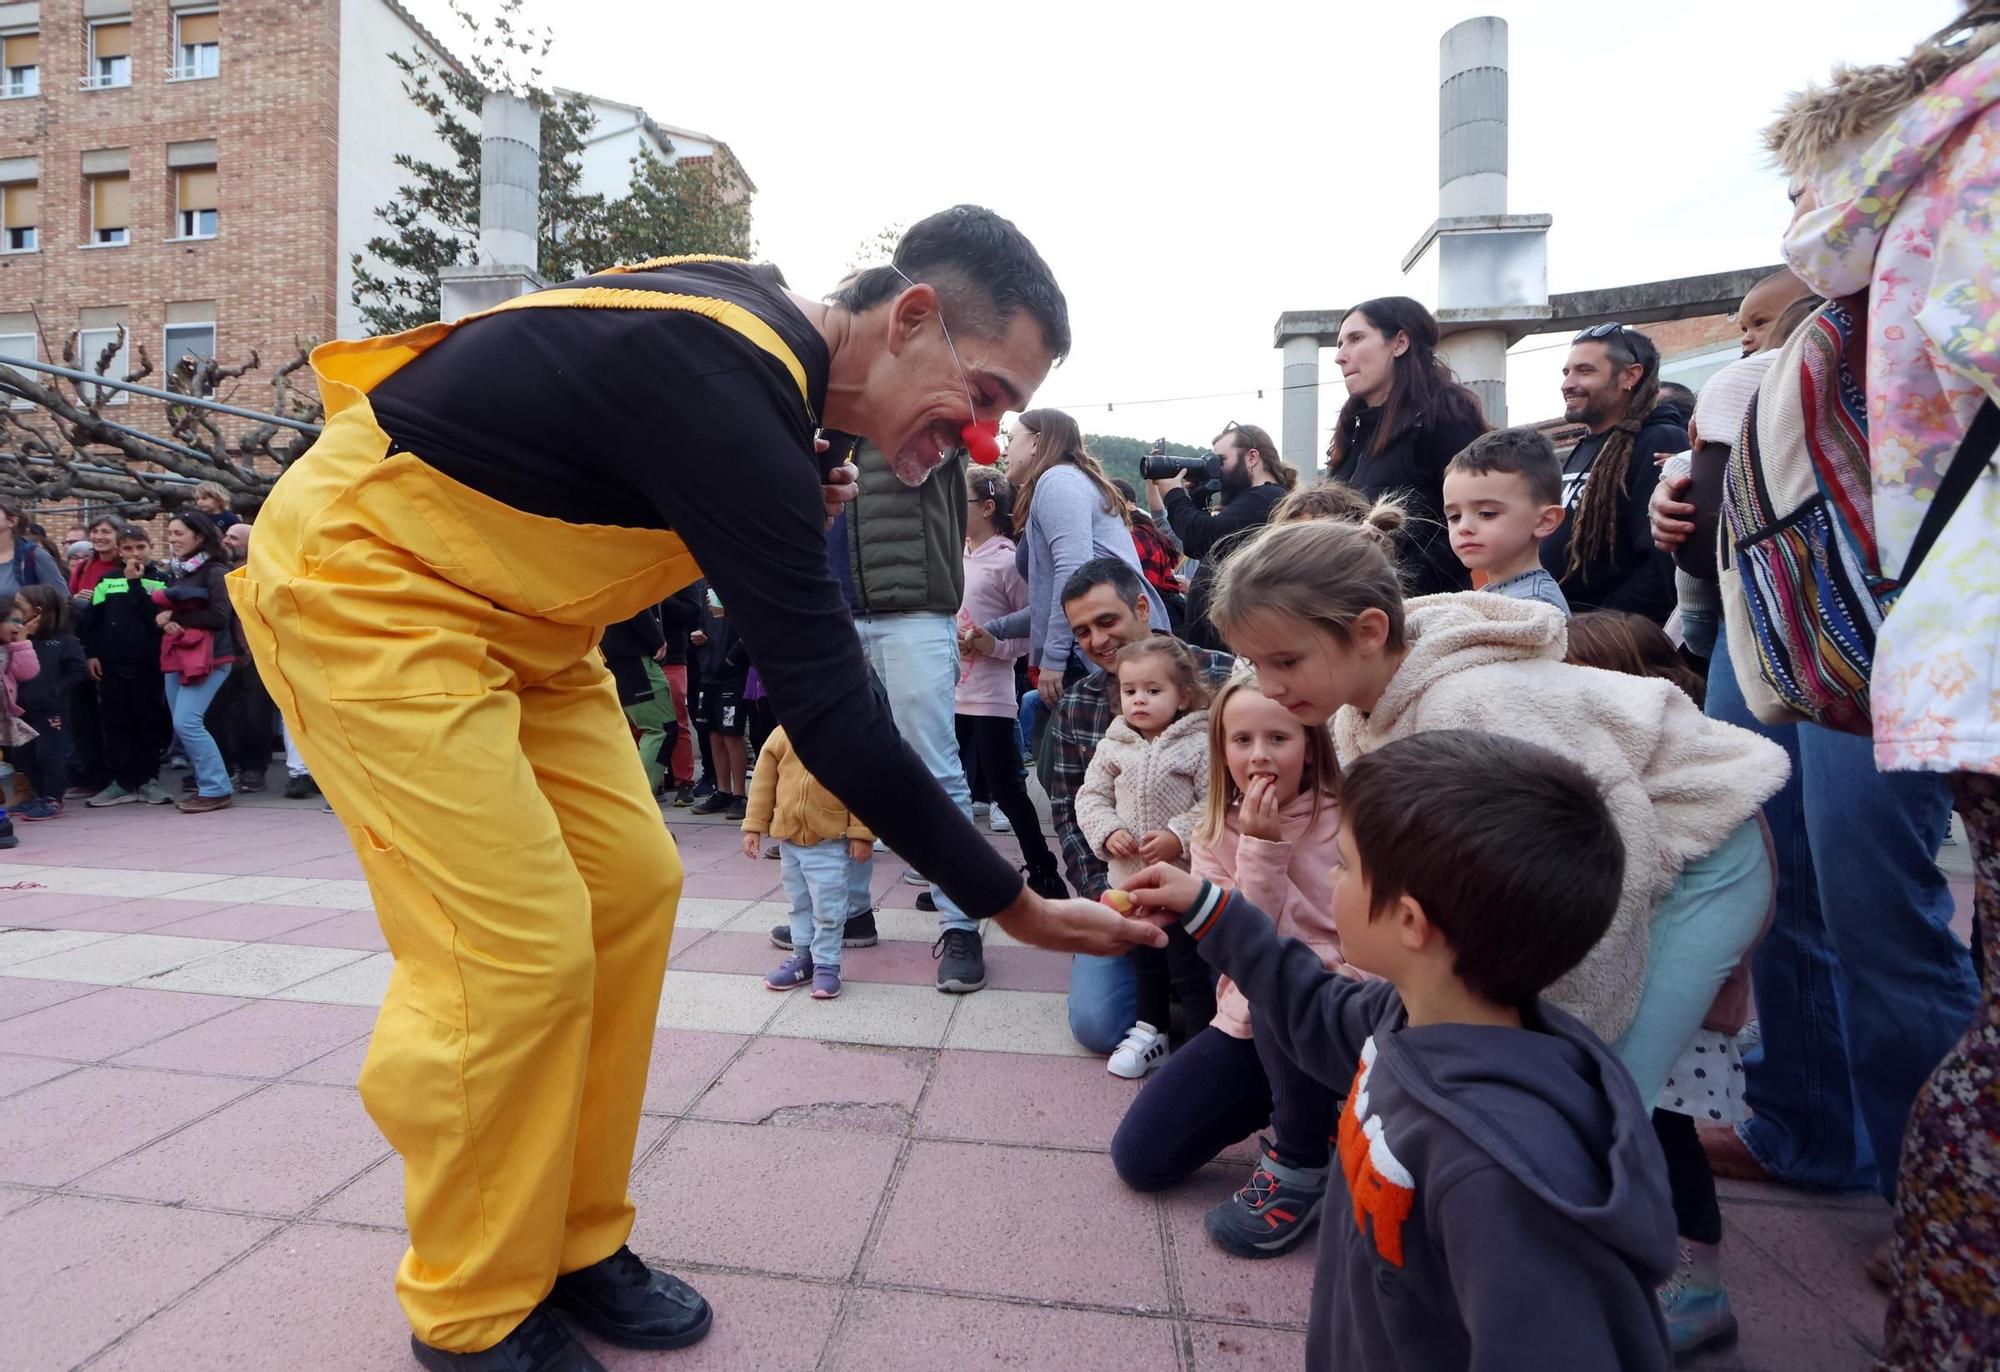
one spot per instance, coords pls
(1120, 455)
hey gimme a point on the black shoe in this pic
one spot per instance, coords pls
(714, 803)
(623, 1301)
(927, 902)
(858, 933)
(739, 809)
(250, 781)
(540, 1343)
(961, 961)
(299, 787)
(704, 788)
(7, 839)
(1046, 883)
(188, 782)
(684, 797)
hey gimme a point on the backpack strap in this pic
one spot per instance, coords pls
(1967, 464)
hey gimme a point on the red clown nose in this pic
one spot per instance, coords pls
(982, 441)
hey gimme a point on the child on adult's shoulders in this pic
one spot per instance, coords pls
(1502, 496)
(1506, 1201)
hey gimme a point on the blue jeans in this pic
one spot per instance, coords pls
(820, 881)
(1028, 723)
(190, 706)
(916, 656)
(1861, 986)
(1103, 1000)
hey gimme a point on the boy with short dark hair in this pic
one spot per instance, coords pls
(121, 639)
(1502, 496)
(1507, 1202)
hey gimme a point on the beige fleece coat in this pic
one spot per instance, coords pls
(1139, 784)
(1677, 783)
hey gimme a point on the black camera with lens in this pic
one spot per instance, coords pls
(1158, 466)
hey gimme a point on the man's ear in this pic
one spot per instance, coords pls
(909, 314)
(1144, 609)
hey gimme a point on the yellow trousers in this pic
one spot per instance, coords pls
(433, 652)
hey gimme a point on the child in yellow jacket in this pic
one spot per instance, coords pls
(825, 849)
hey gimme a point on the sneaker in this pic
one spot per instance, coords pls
(1694, 1303)
(683, 797)
(1143, 1049)
(83, 793)
(250, 781)
(927, 903)
(774, 852)
(714, 803)
(858, 933)
(540, 1343)
(915, 878)
(301, 786)
(7, 839)
(826, 982)
(961, 961)
(189, 782)
(41, 807)
(1046, 883)
(794, 972)
(114, 794)
(623, 1301)
(1272, 1211)
(201, 805)
(997, 822)
(704, 788)
(739, 809)
(155, 794)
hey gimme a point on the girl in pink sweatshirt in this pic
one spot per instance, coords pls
(18, 664)
(1268, 829)
(986, 704)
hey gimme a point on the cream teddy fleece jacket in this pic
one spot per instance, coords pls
(1139, 785)
(1676, 782)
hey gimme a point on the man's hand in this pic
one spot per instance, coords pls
(660, 653)
(1050, 687)
(96, 670)
(1669, 515)
(753, 844)
(1162, 893)
(1121, 844)
(697, 637)
(1161, 845)
(839, 487)
(860, 850)
(1077, 926)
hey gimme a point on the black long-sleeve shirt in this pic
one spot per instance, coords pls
(1209, 538)
(1632, 575)
(652, 418)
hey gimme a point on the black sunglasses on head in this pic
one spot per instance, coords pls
(1597, 332)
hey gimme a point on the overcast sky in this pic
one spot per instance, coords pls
(1192, 171)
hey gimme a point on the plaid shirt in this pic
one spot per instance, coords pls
(1080, 721)
(1158, 557)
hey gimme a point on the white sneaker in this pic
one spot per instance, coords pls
(1144, 1049)
(997, 822)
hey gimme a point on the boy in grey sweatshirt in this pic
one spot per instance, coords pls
(1506, 1203)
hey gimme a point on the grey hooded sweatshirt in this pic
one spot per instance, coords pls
(1502, 1202)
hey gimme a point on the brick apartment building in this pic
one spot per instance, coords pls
(202, 173)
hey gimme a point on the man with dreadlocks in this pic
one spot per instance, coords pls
(1603, 555)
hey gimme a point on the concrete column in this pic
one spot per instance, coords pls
(1472, 119)
(510, 180)
(1300, 440)
(1479, 356)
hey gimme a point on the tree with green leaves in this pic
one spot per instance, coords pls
(433, 222)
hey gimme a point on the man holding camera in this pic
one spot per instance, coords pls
(1244, 465)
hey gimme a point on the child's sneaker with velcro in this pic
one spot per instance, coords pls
(826, 982)
(1143, 1049)
(1272, 1211)
(792, 973)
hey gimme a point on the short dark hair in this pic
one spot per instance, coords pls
(1508, 847)
(1114, 572)
(1124, 488)
(1526, 453)
(984, 270)
(129, 532)
(1680, 397)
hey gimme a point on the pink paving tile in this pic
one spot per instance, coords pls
(130, 1259)
(901, 1331)
(266, 1038)
(1024, 1098)
(1024, 1243)
(684, 1061)
(41, 909)
(64, 1128)
(316, 1296)
(136, 916)
(687, 1196)
(18, 1074)
(276, 1152)
(1241, 1348)
(349, 929)
(341, 1067)
(769, 1324)
(345, 867)
(20, 995)
(248, 923)
(1824, 1249)
(1270, 1290)
(116, 1020)
(753, 884)
(815, 1085)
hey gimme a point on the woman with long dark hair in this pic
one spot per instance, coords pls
(23, 559)
(1406, 416)
(196, 599)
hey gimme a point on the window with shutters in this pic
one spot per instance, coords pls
(110, 209)
(20, 65)
(110, 55)
(194, 201)
(18, 338)
(197, 47)
(190, 333)
(20, 214)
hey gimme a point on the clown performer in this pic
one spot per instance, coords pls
(424, 600)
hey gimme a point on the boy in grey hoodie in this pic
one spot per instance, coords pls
(1506, 1202)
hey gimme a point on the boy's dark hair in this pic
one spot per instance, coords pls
(1681, 397)
(1526, 453)
(133, 532)
(1114, 572)
(1508, 847)
(984, 270)
(52, 604)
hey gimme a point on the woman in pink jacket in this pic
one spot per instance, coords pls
(986, 704)
(1270, 830)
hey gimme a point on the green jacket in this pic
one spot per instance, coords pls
(905, 547)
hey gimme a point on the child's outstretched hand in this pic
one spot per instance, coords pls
(753, 844)
(1161, 892)
(1121, 844)
(860, 850)
(1257, 815)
